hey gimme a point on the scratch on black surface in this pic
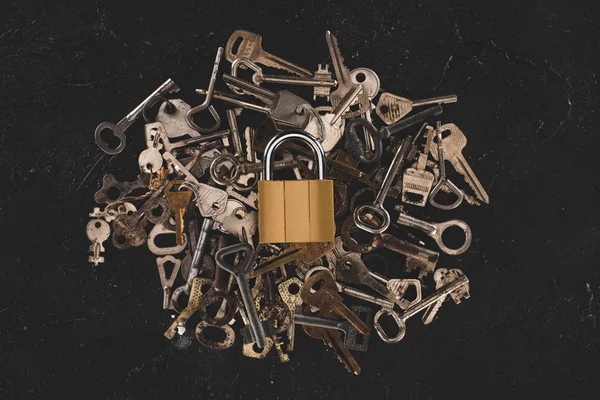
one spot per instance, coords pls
(89, 172)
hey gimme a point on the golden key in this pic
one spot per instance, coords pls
(179, 201)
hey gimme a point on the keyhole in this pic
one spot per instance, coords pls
(109, 137)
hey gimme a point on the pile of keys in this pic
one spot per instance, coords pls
(237, 249)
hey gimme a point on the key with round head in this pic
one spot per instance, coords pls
(326, 297)
(453, 145)
(97, 231)
(250, 48)
(391, 108)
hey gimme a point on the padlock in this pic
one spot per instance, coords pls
(295, 211)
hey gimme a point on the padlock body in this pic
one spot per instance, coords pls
(295, 211)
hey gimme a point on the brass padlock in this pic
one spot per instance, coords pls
(295, 211)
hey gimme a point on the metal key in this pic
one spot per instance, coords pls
(167, 283)
(436, 229)
(376, 208)
(259, 78)
(206, 103)
(97, 231)
(453, 145)
(443, 182)
(179, 201)
(443, 277)
(289, 291)
(414, 119)
(342, 74)
(326, 297)
(391, 108)
(192, 307)
(397, 289)
(241, 271)
(118, 130)
(251, 48)
(417, 181)
(248, 345)
(308, 253)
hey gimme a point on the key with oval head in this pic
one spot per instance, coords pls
(453, 145)
(179, 201)
(118, 130)
(391, 108)
(251, 48)
(326, 297)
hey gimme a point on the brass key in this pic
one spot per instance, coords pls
(179, 201)
(391, 108)
(306, 252)
(326, 297)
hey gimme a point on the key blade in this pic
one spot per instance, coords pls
(462, 167)
(293, 253)
(342, 73)
(334, 340)
(270, 60)
(336, 305)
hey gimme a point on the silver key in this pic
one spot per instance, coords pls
(322, 73)
(391, 108)
(97, 231)
(443, 181)
(118, 130)
(172, 115)
(167, 283)
(443, 277)
(397, 289)
(417, 181)
(206, 103)
(453, 145)
(342, 74)
(237, 221)
(436, 229)
(368, 79)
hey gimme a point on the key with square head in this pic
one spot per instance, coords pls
(251, 48)
(453, 145)
(391, 108)
(306, 252)
(179, 201)
(326, 297)
(398, 287)
(118, 130)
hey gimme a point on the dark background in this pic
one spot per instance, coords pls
(526, 77)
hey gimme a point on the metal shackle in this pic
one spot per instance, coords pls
(271, 148)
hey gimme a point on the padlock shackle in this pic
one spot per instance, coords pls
(271, 148)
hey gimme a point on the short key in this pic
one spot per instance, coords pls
(179, 201)
(306, 252)
(97, 231)
(417, 181)
(391, 108)
(119, 129)
(251, 48)
(326, 297)
(453, 145)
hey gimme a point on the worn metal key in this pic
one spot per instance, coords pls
(306, 252)
(391, 108)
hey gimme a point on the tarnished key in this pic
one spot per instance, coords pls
(342, 74)
(248, 346)
(453, 145)
(167, 283)
(443, 277)
(306, 252)
(326, 297)
(417, 181)
(391, 108)
(289, 291)
(251, 48)
(179, 201)
(118, 130)
(397, 289)
(192, 307)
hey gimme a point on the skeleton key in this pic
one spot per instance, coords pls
(436, 229)
(167, 283)
(274, 309)
(379, 225)
(251, 48)
(322, 73)
(226, 343)
(416, 257)
(97, 231)
(306, 252)
(289, 291)
(391, 108)
(430, 301)
(417, 182)
(326, 297)
(453, 146)
(179, 201)
(206, 103)
(342, 74)
(118, 130)
(443, 277)
(349, 268)
(192, 307)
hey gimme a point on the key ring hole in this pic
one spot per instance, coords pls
(293, 288)
(384, 109)
(371, 219)
(110, 138)
(454, 237)
(398, 326)
(214, 334)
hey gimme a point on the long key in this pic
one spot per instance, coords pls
(391, 108)
(241, 271)
(417, 257)
(306, 252)
(342, 73)
(443, 277)
(251, 48)
(453, 145)
(326, 297)
(259, 78)
(248, 345)
(119, 129)
(167, 283)
(376, 208)
(417, 118)
(179, 201)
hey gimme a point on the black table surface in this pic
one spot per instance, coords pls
(526, 76)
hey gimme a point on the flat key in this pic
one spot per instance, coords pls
(391, 108)
(453, 145)
(179, 201)
(308, 253)
(192, 307)
(251, 48)
(342, 73)
(326, 297)
(167, 283)
(119, 129)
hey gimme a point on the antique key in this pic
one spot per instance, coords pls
(248, 345)
(179, 201)
(167, 283)
(417, 181)
(118, 130)
(397, 289)
(97, 231)
(192, 307)
(251, 48)
(391, 108)
(377, 209)
(326, 297)
(289, 291)
(443, 277)
(453, 145)
(306, 252)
